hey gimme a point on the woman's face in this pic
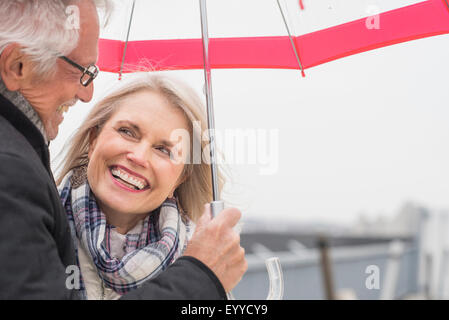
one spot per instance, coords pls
(130, 168)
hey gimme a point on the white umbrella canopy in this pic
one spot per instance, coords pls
(337, 12)
(361, 133)
(177, 19)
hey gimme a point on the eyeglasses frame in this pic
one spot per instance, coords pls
(85, 71)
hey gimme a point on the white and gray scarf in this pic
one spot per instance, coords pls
(17, 99)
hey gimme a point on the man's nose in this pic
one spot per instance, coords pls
(85, 94)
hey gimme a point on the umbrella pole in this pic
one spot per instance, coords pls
(217, 205)
(273, 264)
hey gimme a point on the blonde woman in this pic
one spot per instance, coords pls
(130, 186)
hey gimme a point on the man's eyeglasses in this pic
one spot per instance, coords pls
(89, 73)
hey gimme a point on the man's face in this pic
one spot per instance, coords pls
(51, 97)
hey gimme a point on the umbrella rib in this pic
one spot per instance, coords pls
(127, 39)
(291, 39)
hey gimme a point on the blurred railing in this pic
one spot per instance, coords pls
(354, 269)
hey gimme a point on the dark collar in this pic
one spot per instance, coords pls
(22, 124)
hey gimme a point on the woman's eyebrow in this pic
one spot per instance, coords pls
(129, 123)
(164, 142)
(167, 143)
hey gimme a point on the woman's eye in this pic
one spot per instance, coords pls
(126, 131)
(164, 150)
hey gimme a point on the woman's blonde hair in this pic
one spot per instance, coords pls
(196, 188)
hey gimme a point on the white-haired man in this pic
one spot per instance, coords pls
(46, 65)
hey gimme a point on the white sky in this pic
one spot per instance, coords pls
(361, 134)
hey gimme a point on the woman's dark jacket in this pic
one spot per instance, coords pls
(35, 243)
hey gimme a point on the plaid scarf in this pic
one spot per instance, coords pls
(162, 240)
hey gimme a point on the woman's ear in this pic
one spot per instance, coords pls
(173, 191)
(93, 134)
(181, 180)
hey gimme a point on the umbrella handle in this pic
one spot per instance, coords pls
(276, 280)
(276, 291)
(273, 265)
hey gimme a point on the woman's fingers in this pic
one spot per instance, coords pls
(217, 245)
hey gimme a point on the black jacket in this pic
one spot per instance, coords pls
(35, 242)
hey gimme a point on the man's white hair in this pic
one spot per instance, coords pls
(40, 27)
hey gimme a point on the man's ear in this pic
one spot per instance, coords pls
(15, 67)
(93, 133)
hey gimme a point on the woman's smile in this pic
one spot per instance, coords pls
(128, 180)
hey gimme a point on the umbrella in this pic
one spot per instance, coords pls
(411, 22)
(406, 23)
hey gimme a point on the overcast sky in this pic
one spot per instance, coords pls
(361, 134)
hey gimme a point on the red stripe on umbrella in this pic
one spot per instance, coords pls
(425, 19)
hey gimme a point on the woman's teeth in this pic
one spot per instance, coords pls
(129, 180)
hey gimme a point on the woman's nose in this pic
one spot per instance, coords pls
(140, 155)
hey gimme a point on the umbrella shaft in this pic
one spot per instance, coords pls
(209, 100)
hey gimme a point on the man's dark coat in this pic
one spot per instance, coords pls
(35, 243)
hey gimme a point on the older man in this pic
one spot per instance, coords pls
(46, 65)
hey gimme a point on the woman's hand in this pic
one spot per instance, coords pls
(217, 245)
